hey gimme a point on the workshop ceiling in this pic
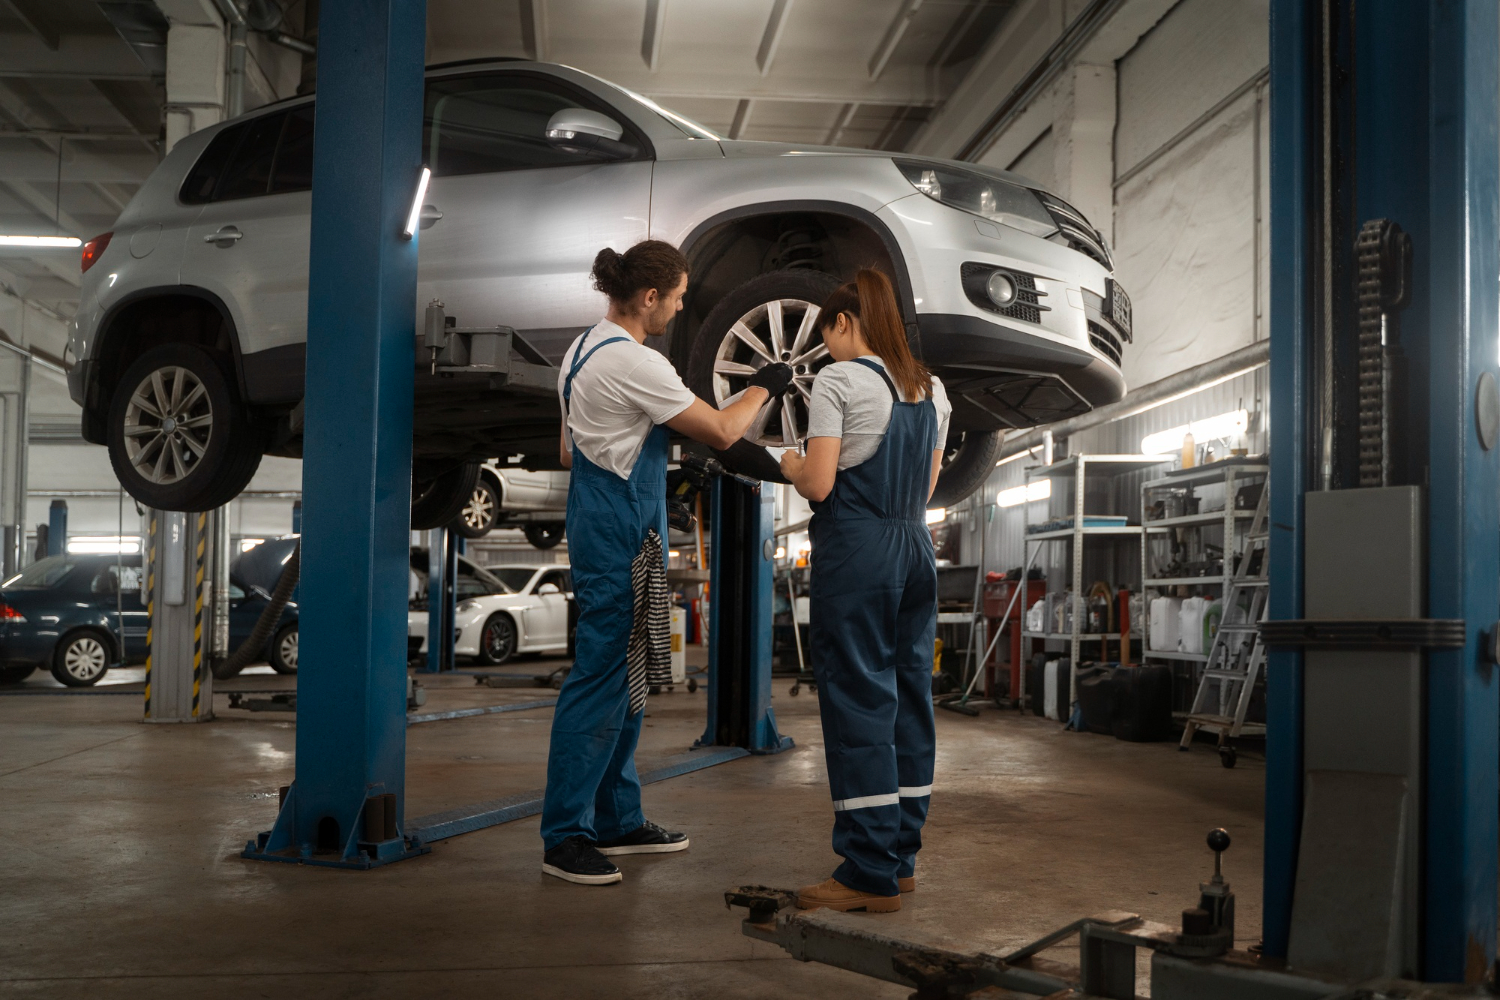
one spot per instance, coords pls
(81, 86)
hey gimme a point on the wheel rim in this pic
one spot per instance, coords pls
(479, 512)
(288, 649)
(168, 425)
(497, 638)
(779, 330)
(84, 658)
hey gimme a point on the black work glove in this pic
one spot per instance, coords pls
(773, 378)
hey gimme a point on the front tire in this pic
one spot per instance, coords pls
(482, 511)
(179, 436)
(438, 501)
(544, 534)
(497, 640)
(81, 658)
(283, 656)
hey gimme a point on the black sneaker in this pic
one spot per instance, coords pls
(576, 860)
(648, 838)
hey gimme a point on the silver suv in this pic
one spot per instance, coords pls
(190, 337)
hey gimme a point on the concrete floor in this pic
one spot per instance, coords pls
(119, 842)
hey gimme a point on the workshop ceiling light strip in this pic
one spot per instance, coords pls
(66, 242)
(1016, 495)
(1226, 425)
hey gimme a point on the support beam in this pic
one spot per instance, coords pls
(33, 15)
(44, 204)
(534, 28)
(23, 160)
(846, 116)
(656, 26)
(741, 119)
(906, 86)
(770, 40)
(893, 36)
(78, 57)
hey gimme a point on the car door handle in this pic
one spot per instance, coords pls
(429, 216)
(225, 237)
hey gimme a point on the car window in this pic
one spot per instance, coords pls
(515, 577)
(44, 574)
(198, 189)
(236, 592)
(107, 580)
(294, 156)
(495, 122)
(555, 577)
(248, 173)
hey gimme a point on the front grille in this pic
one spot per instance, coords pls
(1028, 305)
(1076, 229)
(1104, 341)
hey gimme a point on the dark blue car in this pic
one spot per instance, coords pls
(66, 613)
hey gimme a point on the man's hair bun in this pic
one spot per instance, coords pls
(648, 264)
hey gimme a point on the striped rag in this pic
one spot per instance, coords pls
(648, 658)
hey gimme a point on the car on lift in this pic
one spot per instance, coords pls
(190, 339)
(67, 612)
(512, 496)
(532, 614)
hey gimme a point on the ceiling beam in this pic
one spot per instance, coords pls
(31, 14)
(656, 26)
(44, 204)
(770, 41)
(846, 115)
(741, 119)
(893, 36)
(23, 160)
(908, 86)
(78, 57)
(534, 28)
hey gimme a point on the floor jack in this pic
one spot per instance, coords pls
(1196, 960)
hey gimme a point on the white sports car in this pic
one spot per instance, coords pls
(532, 616)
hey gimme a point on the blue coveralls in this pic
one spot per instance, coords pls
(873, 618)
(592, 785)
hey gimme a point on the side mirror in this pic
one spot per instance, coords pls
(548, 588)
(578, 130)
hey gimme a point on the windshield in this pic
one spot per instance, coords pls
(514, 577)
(44, 574)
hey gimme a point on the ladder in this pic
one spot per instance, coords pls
(1237, 657)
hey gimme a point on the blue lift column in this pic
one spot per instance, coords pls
(345, 808)
(1383, 754)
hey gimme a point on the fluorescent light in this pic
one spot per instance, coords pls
(1020, 454)
(40, 241)
(246, 544)
(85, 545)
(1225, 425)
(781, 552)
(1039, 490)
(937, 515)
(415, 218)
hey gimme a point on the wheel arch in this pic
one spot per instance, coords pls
(718, 266)
(147, 318)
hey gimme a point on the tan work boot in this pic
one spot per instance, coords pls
(907, 884)
(834, 895)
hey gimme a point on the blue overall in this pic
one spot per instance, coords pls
(592, 785)
(874, 615)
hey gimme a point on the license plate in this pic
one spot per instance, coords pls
(1119, 308)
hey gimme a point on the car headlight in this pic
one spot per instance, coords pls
(466, 606)
(978, 194)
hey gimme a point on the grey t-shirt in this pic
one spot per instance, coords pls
(852, 402)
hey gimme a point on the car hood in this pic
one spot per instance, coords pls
(747, 149)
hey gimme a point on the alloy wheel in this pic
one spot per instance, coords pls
(288, 649)
(168, 424)
(499, 638)
(479, 513)
(85, 658)
(779, 330)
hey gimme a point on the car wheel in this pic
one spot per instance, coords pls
(968, 459)
(81, 658)
(544, 534)
(14, 675)
(437, 501)
(768, 318)
(284, 650)
(497, 641)
(481, 512)
(179, 437)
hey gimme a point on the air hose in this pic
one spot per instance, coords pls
(255, 643)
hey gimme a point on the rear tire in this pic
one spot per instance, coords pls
(192, 443)
(967, 463)
(283, 658)
(544, 534)
(438, 501)
(81, 658)
(481, 512)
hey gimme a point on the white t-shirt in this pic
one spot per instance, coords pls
(619, 394)
(850, 401)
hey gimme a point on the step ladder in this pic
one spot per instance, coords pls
(1237, 657)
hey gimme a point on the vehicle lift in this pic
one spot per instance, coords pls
(346, 806)
(1383, 730)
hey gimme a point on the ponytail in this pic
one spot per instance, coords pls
(870, 299)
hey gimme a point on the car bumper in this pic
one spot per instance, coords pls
(34, 649)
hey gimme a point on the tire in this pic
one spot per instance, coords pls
(438, 501)
(968, 461)
(497, 640)
(481, 512)
(14, 675)
(81, 658)
(544, 534)
(195, 466)
(283, 658)
(720, 362)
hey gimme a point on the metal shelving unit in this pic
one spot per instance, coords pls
(1078, 468)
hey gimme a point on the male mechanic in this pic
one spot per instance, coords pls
(620, 400)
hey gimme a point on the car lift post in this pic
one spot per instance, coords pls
(182, 600)
(442, 599)
(346, 806)
(739, 633)
(57, 528)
